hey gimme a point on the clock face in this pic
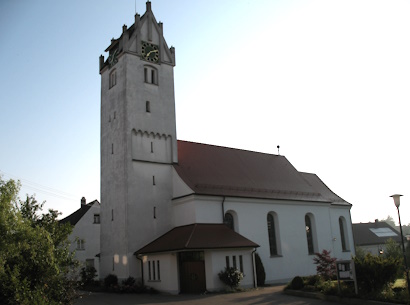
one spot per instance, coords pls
(113, 59)
(149, 51)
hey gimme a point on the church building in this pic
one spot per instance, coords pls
(176, 213)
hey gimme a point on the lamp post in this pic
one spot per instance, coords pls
(396, 199)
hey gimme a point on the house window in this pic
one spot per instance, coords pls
(113, 78)
(229, 220)
(154, 273)
(227, 261)
(80, 244)
(272, 235)
(234, 261)
(150, 75)
(309, 234)
(343, 237)
(89, 262)
(96, 218)
(240, 263)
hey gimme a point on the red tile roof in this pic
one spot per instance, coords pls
(198, 237)
(222, 171)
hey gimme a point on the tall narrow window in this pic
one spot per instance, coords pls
(150, 75)
(229, 220)
(112, 148)
(234, 261)
(158, 272)
(153, 77)
(227, 261)
(155, 212)
(240, 263)
(309, 234)
(149, 270)
(153, 270)
(96, 218)
(272, 236)
(113, 78)
(112, 214)
(152, 147)
(342, 234)
(147, 106)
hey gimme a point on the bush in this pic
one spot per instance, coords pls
(110, 281)
(231, 277)
(88, 275)
(297, 283)
(374, 273)
(260, 271)
(325, 265)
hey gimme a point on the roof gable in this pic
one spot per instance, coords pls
(75, 217)
(215, 170)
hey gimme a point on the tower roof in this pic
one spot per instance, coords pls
(222, 171)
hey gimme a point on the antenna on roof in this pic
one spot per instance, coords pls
(278, 149)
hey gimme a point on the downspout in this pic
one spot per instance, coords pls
(142, 269)
(223, 209)
(255, 281)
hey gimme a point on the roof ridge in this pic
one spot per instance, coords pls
(233, 148)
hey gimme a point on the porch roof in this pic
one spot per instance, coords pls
(197, 237)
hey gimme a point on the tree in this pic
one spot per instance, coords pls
(390, 221)
(325, 265)
(34, 255)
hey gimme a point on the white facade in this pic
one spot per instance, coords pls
(85, 237)
(143, 196)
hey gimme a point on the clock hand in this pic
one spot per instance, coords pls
(155, 51)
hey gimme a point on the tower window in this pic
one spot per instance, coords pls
(153, 180)
(152, 147)
(113, 78)
(147, 106)
(150, 75)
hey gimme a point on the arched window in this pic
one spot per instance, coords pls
(229, 220)
(272, 235)
(309, 234)
(343, 236)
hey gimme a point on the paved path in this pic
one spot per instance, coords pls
(263, 296)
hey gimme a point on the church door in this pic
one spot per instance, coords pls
(192, 272)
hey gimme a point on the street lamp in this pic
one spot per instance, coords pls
(396, 199)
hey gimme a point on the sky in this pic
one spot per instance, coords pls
(328, 81)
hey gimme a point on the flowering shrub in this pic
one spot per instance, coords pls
(231, 277)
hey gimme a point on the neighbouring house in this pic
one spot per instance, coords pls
(372, 236)
(175, 213)
(85, 237)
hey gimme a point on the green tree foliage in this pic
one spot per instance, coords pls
(374, 273)
(34, 255)
(260, 271)
(326, 267)
(393, 249)
(389, 220)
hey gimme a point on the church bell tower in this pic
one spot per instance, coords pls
(138, 143)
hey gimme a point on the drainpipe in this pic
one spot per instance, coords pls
(223, 209)
(255, 281)
(142, 269)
